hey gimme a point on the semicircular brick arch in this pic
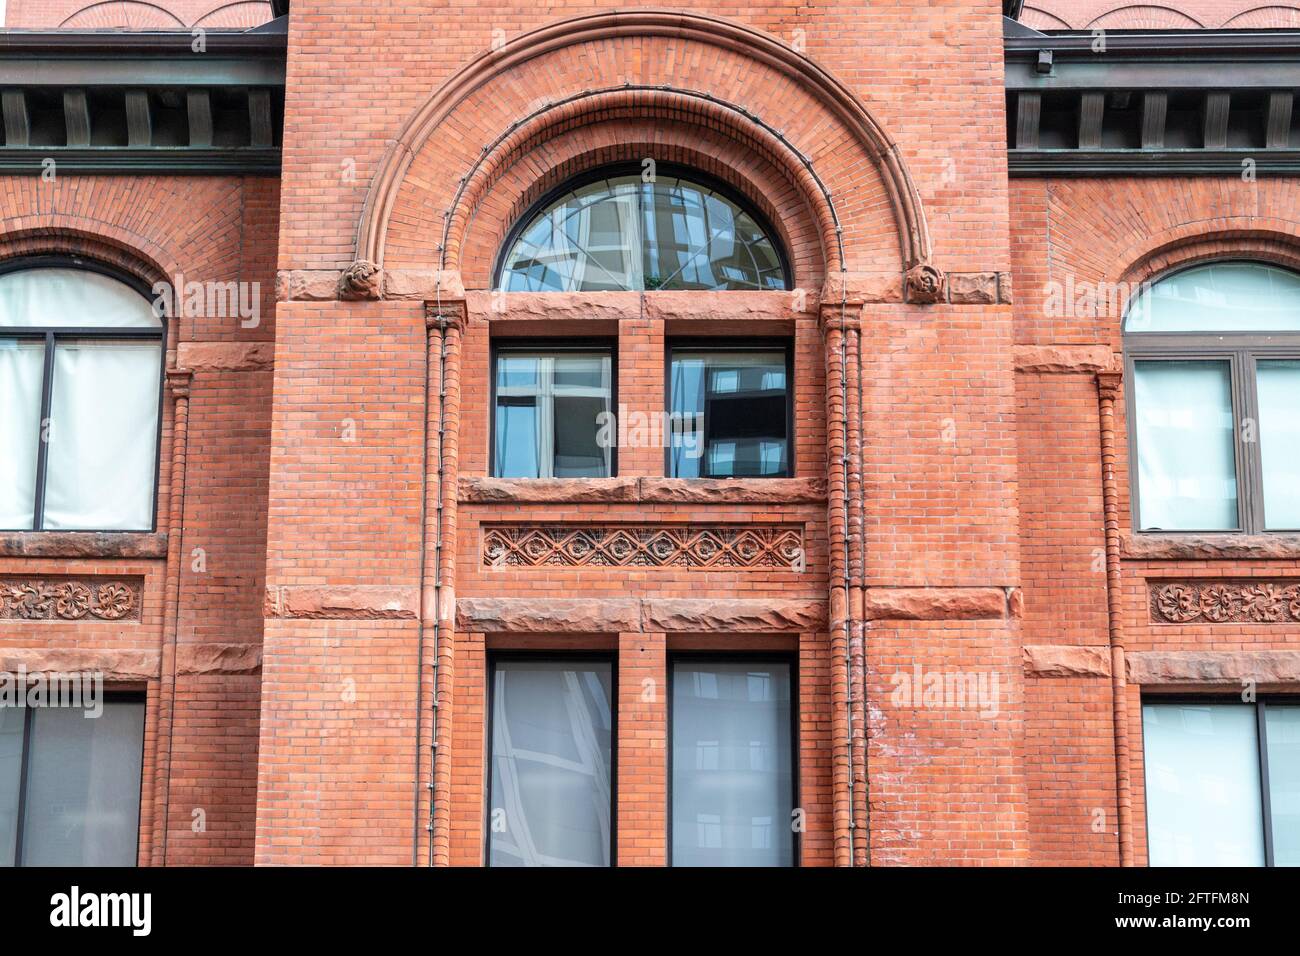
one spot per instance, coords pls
(1266, 18)
(1140, 16)
(242, 13)
(701, 71)
(1042, 20)
(117, 14)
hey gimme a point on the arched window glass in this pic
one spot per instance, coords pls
(1213, 355)
(80, 382)
(620, 233)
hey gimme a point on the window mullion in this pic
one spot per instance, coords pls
(1266, 801)
(43, 434)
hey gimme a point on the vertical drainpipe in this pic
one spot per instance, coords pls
(178, 383)
(1108, 392)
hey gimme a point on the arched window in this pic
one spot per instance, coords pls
(1213, 355)
(80, 385)
(614, 231)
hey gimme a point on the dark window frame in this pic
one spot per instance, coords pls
(631, 168)
(788, 658)
(737, 344)
(609, 657)
(588, 344)
(29, 715)
(1242, 352)
(49, 335)
(1260, 704)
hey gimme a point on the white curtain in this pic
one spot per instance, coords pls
(1221, 297)
(72, 298)
(1279, 437)
(732, 764)
(1202, 785)
(103, 439)
(1186, 453)
(552, 740)
(83, 787)
(1283, 727)
(22, 363)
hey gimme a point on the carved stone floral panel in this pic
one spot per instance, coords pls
(1225, 602)
(31, 598)
(737, 548)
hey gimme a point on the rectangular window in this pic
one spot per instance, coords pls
(1279, 439)
(553, 415)
(1186, 445)
(70, 784)
(732, 763)
(1222, 783)
(552, 725)
(730, 411)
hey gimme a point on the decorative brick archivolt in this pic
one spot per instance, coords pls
(30, 598)
(707, 548)
(1225, 602)
(823, 124)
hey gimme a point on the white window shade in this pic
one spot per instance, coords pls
(22, 368)
(1187, 473)
(1203, 798)
(1279, 437)
(72, 298)
(11, 760)
(1224, 297)
(103, 437)
(1282, 729)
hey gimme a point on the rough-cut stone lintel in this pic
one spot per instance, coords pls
(1065, 359)
(344, 602)
(521, 615)
(941, 604)
(1066, 660)
(226, 356)
(1213, 667)
(123, 665)
(643, 490)
(1202, 547)
(82, 544)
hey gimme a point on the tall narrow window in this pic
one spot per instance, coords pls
(732, 763)
(553, 413)
(80, 381)
(552, 780)
(1222, 782)
(1214, 366)
(616, 230)
(729, 412)
(70, 784)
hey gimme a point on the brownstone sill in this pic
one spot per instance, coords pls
(1211, 547)
(83, 544)
(702, 491)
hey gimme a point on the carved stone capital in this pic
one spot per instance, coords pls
(446, 314)
(924, 284)
(178, 381)
(1110, 385)
(361, 280)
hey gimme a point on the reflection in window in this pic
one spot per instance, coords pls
(729, 413)
(732, 765)
(620, 233)
(551, 758)
(81, 353)
(553, 415)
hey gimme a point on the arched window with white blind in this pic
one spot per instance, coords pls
(81, 354)
(1213, 362)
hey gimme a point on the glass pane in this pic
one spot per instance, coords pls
(22, 366)
(1202, 781)
(103, 435)
(732, 776)
(1220, 297)
(1279, 437)
(11, 759)
(553, 415)
(729, 414)
(83, 787)
(1187, 469)
(1282, 725)
(73, 298)
(623, 234)
(552, 734)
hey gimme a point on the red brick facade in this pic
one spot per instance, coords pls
(960, 480)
